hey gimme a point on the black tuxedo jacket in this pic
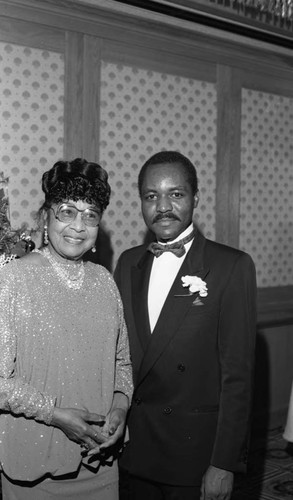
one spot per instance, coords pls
(193, 375)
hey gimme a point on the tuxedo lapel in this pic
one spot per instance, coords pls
(175, 307)
(140, 275)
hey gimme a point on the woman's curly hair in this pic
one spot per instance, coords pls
(76, 180)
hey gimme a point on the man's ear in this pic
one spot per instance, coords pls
(196, 200)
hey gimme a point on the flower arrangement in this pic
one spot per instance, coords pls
(195, 284)
(13, 243)
(7, 238)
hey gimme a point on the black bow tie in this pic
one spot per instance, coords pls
(176, 248)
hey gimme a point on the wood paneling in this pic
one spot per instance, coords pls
(275, 306)
(228, 156)
(273, 376)
(264, 82)
(188, 65)
(232, 15)
(143, 30)
(82, 96)
(86, 35)
(74, 95)
(91, 108)
(31, 35)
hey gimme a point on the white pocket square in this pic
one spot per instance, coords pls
(197, 302)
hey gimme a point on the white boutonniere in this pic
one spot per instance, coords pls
(195, 285)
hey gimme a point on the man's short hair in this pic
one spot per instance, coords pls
(170, 157)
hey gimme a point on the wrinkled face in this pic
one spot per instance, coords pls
(167, 200)
(70, 240)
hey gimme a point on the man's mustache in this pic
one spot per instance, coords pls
(159, 217)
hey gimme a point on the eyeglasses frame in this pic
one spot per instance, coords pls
(78, 210)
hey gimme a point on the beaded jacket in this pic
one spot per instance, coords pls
(57, 346)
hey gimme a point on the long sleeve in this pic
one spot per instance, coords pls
(123, 376)
(16, 396)
(236, 340)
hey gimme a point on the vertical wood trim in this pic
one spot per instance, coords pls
(73, 105)
(92, 84)
(228, 155)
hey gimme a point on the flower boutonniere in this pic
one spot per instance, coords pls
(195, 284)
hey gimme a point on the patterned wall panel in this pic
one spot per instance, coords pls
(31, 124)
(143, 112)
(266, 209)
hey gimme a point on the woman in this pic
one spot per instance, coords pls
(65, 373)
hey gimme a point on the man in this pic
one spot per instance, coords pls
(192, 346)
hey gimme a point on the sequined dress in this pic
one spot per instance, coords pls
(57, 345)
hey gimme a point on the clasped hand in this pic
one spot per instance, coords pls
(93, 432)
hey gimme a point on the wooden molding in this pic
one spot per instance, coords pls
(149, 30)
(236, 18)
(275, 306)
(74, 92)
(228, 156)
(32, 34)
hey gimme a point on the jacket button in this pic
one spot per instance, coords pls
(138, 401)
(181, 367)
(167, 410)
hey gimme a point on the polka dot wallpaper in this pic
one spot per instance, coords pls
(266, 207)
(143, 112)
(31, 124)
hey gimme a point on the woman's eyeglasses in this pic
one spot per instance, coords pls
(68, 213)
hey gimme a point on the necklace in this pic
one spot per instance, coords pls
(73, 281)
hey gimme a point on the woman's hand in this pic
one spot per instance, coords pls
(114, 427)
(77, 425)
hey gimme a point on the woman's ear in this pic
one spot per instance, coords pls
(45, 216)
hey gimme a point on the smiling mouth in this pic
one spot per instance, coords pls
(74, 241)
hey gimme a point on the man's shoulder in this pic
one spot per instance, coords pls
(133, 253)
(215, 246)
(225, 252)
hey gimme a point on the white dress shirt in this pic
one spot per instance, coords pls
(163, 272)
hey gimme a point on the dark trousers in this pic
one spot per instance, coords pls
(135, 488)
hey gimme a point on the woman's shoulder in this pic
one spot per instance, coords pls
(6, 259)
(8, 271)
(7, 263)
(102, 275)
(19, 266)
(34, 258)
(98, 270)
